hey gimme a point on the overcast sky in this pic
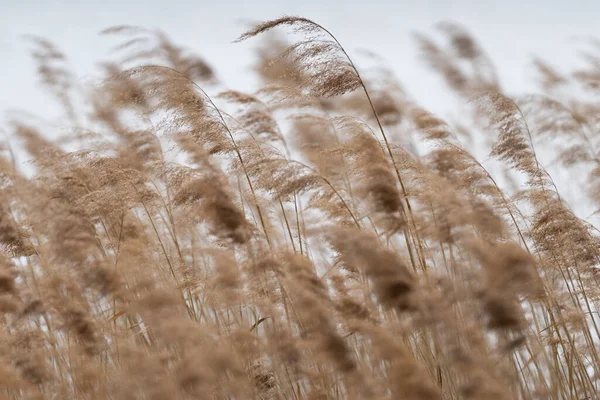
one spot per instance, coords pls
(511, 32)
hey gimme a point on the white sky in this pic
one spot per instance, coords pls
(510, 31)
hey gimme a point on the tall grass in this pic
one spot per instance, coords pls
(323, 238)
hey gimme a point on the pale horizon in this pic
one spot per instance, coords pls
(510, 32)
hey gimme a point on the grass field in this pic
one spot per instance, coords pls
(323, 238)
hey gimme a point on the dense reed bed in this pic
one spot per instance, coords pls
(325, 237)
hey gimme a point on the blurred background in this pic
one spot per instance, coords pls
(511, 31)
